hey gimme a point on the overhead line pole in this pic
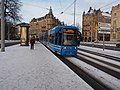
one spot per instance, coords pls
(74, 10)
(2, 27)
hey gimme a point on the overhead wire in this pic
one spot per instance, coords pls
(36, 6)
(60, 4)
(109, 4)
(68, 7)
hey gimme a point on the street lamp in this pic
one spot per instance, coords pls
(2, 27)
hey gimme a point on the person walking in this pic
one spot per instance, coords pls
(32, 42)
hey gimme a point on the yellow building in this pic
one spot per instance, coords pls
(90, 25)
(115, 24)
(39, 25)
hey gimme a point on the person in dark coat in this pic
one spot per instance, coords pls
(32, 42)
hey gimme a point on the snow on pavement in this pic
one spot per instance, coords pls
(25, 69)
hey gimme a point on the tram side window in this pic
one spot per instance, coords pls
(59, 38)
(56, 38)
(52, 38)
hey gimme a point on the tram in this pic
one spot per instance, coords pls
(62, 40)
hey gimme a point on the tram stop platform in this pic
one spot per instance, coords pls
(38, 69)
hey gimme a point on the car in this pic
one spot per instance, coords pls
(118, 45)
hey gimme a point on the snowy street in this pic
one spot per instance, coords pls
(25, 69)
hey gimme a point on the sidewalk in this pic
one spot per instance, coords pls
(25, 69)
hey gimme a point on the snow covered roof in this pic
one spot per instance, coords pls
(106, 14)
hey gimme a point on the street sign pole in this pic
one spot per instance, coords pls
(2, 27)
(103, 41)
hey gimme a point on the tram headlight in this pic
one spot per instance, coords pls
(75, 47)
(64, 48)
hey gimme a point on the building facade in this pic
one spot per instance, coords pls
(90, 25)
(40, 25)
(115, 24)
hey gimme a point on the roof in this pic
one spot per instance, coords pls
(106, 14)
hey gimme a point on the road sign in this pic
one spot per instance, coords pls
(104, 28)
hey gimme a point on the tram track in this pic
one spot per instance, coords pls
(97, 82)
(84, 75)
(99, 60)
(104, 80)
(102, 55)
(109, 68)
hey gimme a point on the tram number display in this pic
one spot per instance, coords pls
(69, 31)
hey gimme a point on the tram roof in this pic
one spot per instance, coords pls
(57, 28)
(73, 27)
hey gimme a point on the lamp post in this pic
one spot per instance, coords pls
(103, 40)
(2, 27)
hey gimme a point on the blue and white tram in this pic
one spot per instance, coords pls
(63, 40)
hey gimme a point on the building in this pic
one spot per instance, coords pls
(91, 30)
(39, 25)
(115, 24)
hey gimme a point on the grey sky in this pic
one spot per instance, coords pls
(37, 8)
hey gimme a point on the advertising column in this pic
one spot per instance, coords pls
(24, 39)
(23, 35)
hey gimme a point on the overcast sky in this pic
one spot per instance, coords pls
(37, 8)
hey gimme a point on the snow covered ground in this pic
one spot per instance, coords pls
(103, 77)
(8, 41)
(101, 43)
(25, 69)
(100, 50)
(108, 80)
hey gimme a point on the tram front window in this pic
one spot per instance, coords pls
(69, 37)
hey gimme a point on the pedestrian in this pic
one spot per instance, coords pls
(32, 42)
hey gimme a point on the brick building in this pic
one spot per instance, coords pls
(39, 25)
(90, 25)
(115, 24)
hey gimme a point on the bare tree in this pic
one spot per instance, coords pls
(12, 9)
(79, 27)
(12, 16)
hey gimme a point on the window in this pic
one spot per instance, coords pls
(59, 38)
(115, 14)
(69, 37)
(56, 38)
(51, 38)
